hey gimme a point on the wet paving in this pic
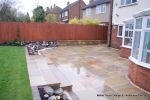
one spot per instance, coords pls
(94, 70)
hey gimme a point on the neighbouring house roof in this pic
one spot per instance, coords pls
(56, 9)
(95, 3)
(142, 13)
(68, 6)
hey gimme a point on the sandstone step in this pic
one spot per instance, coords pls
(50, 78)
(65, 83)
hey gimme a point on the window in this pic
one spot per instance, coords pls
(128, 2)
(138, 24)
(66, 13)
(120, 29)
(88, 11)
(148, 23)
(141, 42)
(146, 48)
(127, 39)
(136, 44)
(101, 8)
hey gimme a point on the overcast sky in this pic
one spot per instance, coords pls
(28, 5)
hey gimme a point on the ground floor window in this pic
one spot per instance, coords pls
(136, 44)
(141, 41)
(128, 34)
(146, 48)
(120, 29)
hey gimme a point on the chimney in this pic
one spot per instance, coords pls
(68, 3)
(51, 7)
(54, 5)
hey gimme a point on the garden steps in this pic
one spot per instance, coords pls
(41, 73)
(64, 82)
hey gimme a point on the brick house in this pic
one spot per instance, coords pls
(54, 10)
(98, 9)
(123, 23)
(73, 10)
(131, 34)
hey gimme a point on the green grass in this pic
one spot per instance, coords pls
(14, 81)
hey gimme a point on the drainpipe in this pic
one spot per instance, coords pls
(110, 23)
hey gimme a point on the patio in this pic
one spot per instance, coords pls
(90, 70)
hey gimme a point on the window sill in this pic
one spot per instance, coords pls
(145, 65)
(124, 46)
(100, 13)
(121, 6)
(88, 15)
(119, 36)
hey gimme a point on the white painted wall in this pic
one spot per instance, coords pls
(127, 12)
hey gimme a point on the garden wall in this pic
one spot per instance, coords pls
(46, 32)
(125, 52)
(139, 75)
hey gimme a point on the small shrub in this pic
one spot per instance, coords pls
(91, 21)
(15, 43)
(74, 21)
(88, 21)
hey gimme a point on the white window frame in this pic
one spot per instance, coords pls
(88, 11)
(125, 3)
(100, 8)
(124, 37)
(144, 29)
(118, 35)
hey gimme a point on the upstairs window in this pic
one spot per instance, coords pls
(88, 11)
(128, 2)
(101, 8)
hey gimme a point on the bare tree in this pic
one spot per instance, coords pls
(7, 10)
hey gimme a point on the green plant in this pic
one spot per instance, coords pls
(52, 18)
(39, 14)
(15, 43)
(74, 21)
(88, 21)
(91, 21)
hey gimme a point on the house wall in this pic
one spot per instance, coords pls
(116, 42)
(104, 17)
(125, 52)
(127, 11)
(140, 76)
(121, 14)
(76, 10)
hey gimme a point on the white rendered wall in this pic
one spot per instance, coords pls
(127, 12)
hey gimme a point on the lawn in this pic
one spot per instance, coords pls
(14, 81)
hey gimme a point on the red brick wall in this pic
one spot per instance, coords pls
(116, 42)
(125, 52)
(139, 75)
(76, 10)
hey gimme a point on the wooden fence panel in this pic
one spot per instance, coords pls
(46, 31)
